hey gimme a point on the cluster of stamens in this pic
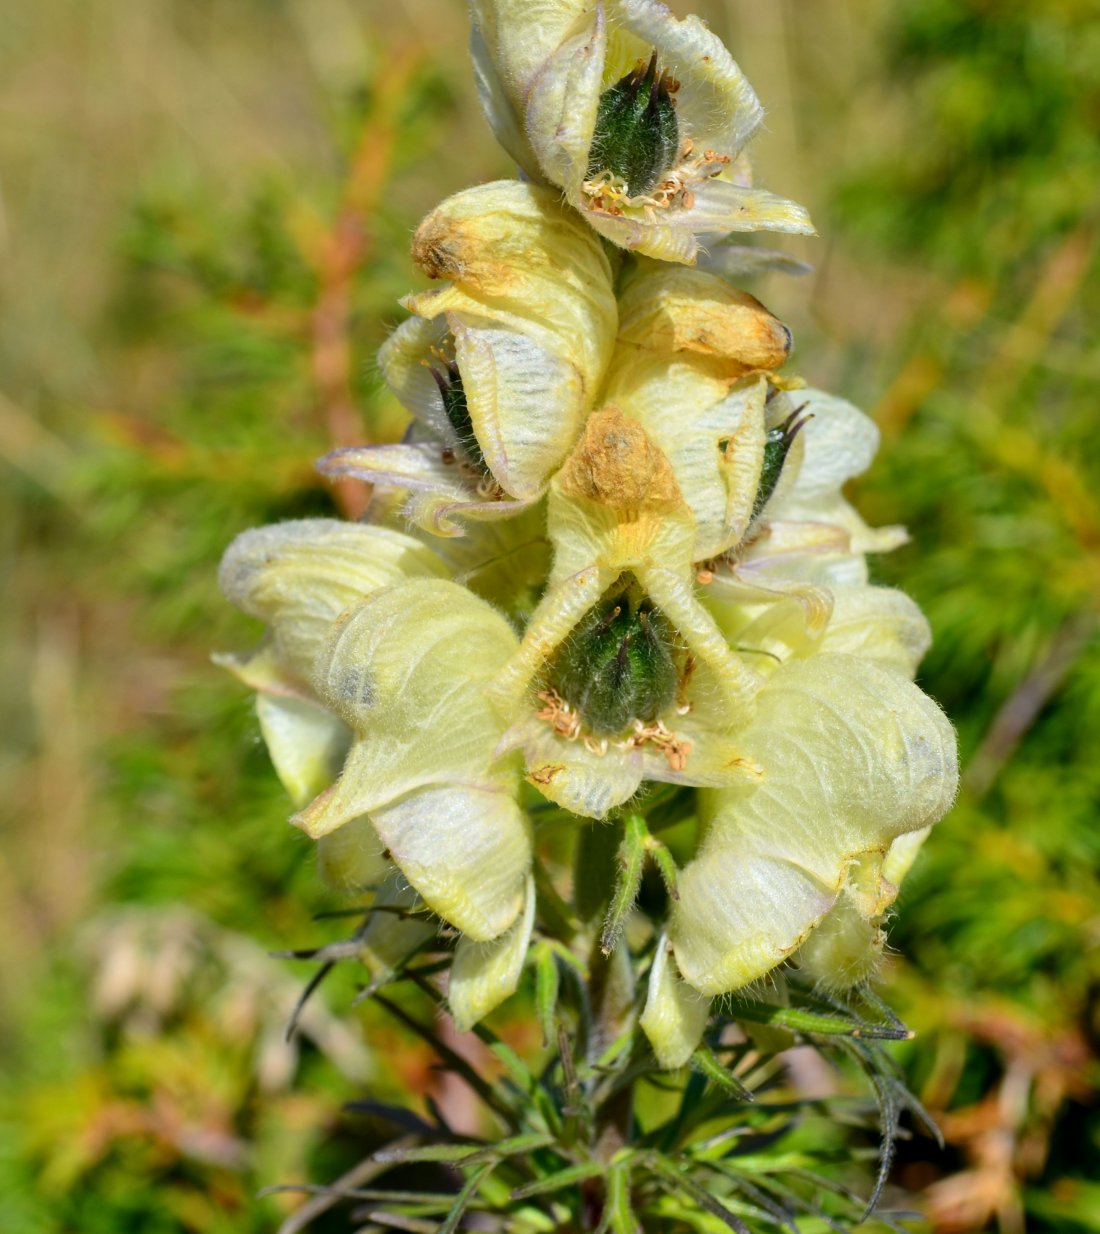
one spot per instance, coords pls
(610, 194)
(567, 723)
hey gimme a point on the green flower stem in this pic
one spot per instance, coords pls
(610, 989)
(611, 1002)
(595, 867)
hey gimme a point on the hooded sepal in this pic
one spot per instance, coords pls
(853, 756)
(406, 670)
(617, 519)
(521, 331)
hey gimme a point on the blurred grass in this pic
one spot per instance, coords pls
(204, 220)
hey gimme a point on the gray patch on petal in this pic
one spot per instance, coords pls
(356, 690)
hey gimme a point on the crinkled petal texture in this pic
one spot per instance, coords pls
(675, 311)
(529, 311)
(877, 623)
(541, 68)
(688, 367)
(444, 496)
(511, 42)
(406, 670)
(798, 619)
(298, 577)
(615, 509)
(853, 756)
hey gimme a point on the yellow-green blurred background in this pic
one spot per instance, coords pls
(205, 208)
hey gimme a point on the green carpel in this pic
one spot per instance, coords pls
(637, 135)
(619, 664)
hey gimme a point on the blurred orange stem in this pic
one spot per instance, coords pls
(338, 258)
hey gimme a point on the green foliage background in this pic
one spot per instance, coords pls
(205, 209)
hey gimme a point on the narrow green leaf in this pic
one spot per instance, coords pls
(704, 1061)
(673, 1180)
(427, 1152)
(666, 866)
(547, 987)
(563, 1178)
(312, 985)
(462, 1200)
(615, 1049)
(454, 1061)
(564, 954)
(801, 1021)
(515, 1067)
(618, 1215)
(669, 1209)
(886, 1087)
(775, 1213)
(426, 1201)
(630, 860)
(800, 1203)
(511, 1147)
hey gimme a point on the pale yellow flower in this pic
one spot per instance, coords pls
(619, 523)
(855, 760)
(297, 577)
(692, 366)
(806, 548)
(809, 529)
(690, 363)
(499, 366)
(640, 118)
(853, 756)
(376, 664)
(667, 472)
(406, 670)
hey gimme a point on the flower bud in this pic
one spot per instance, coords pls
(675, 1015)
(689, 367)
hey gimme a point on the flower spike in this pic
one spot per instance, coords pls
(641, 119)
